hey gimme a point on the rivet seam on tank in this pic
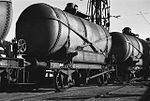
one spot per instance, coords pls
(8, 15)
(68, 38)
(59, 31)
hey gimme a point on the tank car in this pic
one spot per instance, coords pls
(129, 51)
(125, 46)
(45, 33)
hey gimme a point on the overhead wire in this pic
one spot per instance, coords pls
(144, 18)
(138, 14)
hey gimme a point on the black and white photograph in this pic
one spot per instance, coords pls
(74, 50)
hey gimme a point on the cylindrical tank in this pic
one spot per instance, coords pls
(146, 52)
(46, 30)
(42, 34)
(125, 46)
(5, 17)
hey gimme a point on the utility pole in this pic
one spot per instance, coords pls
(99, 12)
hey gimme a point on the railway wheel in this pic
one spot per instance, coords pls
(76, 78)
(3, 81)
(58, 81)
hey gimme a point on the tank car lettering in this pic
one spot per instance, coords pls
(66, 66)
(10, 63)
(54, 65)
(86, 66)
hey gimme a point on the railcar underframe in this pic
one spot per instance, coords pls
(16, 71)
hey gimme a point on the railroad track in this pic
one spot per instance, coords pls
(87, 93)
(13, 95)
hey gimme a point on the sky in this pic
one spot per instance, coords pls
(133, 13)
